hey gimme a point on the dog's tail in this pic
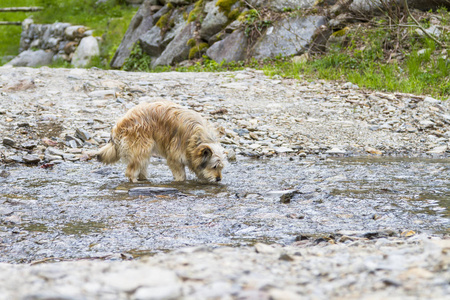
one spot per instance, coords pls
(109, 153)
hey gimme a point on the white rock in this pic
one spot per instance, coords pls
(156, 293)
(438, 150)
(87, 49)
(128, 280)
(102, 93)
(335, 150)
(431, 100)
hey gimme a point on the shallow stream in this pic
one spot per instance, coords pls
(84, 210)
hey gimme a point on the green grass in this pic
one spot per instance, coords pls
(10, 34)
(108, 20)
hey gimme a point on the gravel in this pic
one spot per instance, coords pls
(51, 116)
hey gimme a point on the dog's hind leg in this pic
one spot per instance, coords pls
(143, 171)
(133, 170)
(137, 163)
(178, 170)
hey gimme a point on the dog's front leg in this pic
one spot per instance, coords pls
(178, 170)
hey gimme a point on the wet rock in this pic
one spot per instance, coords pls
(284, 196)
(29, 145)
(369, 234)
(151, 191)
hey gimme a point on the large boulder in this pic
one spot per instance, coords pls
(178, 49)
(214, 21)
(290, 36)
(151, 42)
(140, 24)
(154, 41)
(87, 49)
(232, 48)
(31, 58)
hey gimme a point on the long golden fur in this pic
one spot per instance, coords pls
(169, 130)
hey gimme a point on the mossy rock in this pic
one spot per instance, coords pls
(164, 20)
(234, 14)
(243, 16)
(196, 50)
(341, 32)
(191, 42)
(196, 12)
(225, 5)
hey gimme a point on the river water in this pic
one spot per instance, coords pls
(83, 209)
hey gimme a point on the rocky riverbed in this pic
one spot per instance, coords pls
(331, 191)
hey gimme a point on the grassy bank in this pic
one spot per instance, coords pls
(10, 34)
(109, 20)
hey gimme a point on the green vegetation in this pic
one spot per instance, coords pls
(10, 34)
(376, 55)
(225, 5)
(138, 60)
(370, 55)
(109, 20)
(197, 50)
(197, 12)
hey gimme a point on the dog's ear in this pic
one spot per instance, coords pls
(205, 151)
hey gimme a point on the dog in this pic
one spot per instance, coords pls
(169, 130)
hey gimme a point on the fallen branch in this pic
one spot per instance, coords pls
(10, 23)
(15, 9)
(420, 26)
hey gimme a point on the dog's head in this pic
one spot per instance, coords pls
(209, 162)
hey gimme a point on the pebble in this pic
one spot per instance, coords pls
(264, 271)
(4, 173)
(82, 134)
(335, 150)
(151, 190)
(7, 141)
(31, 159)
(102, 93)
(438, 150)
(267, 122)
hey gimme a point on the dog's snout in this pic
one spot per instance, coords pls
(218, 179)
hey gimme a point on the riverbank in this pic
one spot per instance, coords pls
(366, 217)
